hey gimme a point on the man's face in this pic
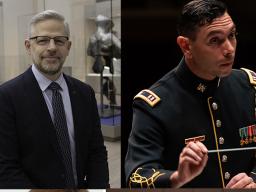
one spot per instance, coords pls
(48, 57)
(213, 50)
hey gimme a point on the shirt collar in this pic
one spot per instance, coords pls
(45, 82)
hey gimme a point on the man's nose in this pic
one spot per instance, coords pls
(52, 45)
(229, 48)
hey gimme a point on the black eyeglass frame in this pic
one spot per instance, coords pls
(54, 38)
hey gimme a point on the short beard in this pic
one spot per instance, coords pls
(48, 70)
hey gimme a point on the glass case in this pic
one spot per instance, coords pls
(103, 61)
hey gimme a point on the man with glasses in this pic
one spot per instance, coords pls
(50, 132)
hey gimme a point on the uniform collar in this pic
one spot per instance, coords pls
(195, 83)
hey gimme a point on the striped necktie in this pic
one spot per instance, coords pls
(61, 130)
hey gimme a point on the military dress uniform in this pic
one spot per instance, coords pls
(180, 108)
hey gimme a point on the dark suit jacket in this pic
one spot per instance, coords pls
(29, 152)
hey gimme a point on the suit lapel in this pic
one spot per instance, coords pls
(79, 117)
(36, 103)
(76, 102)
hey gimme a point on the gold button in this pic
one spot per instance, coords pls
(221, 140)
(224, 158)
(214, 106)
(218, 123)
(227, 175)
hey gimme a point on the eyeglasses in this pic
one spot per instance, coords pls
(45, 40)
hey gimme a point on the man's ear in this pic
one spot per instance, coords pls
(184, 44)
(69, 45)
(27, 45)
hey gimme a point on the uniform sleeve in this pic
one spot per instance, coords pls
(11, 172)
(144, 159)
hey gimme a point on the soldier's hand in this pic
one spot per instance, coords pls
(241, 180)
(192, 161)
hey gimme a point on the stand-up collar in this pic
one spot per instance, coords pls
(195, 83)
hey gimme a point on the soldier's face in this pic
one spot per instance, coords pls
(213, 50)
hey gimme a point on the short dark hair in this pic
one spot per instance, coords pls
(197, 13)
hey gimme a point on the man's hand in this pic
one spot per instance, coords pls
(241, 180)
(192, 161)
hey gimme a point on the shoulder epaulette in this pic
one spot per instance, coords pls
(148, 96)
(251, 74)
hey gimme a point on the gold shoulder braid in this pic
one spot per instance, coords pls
(143, 181)
(252, 78)
(148, 96)
(251, 74)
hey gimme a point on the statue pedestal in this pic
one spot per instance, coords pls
(111, 126)
(108, 112)
(93, 79)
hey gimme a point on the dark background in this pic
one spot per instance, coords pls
(149, 48)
